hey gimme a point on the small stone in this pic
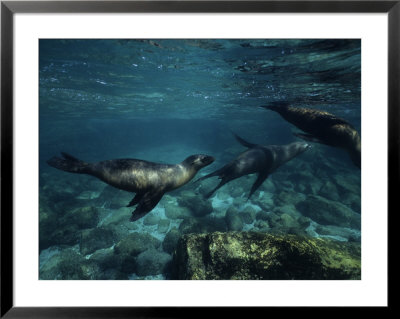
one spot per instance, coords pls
(232, 219)
(152, 262)
(85, 217)
(262, 225)
(151, 219)
(171, 240)
(173, 211)
(163, 225)
(329, 190)
(196, 204)
(105, 258)
(135, 243)
(248, 215)
(96, 238)
(262, 215)
(67, 265)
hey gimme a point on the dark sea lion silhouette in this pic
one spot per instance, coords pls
(322, 127)
(260, 159)
(150, 181)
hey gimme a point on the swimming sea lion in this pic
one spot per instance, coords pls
(322, 127)
(260, 159)
(150, 181)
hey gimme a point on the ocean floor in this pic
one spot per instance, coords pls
(85, 232)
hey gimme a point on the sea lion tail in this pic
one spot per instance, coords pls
(69, 164)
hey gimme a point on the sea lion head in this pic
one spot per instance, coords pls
(299, 147)
(198, 161)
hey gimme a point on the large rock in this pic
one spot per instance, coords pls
(247, 255)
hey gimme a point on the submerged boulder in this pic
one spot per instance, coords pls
(84, 217)
(173, 211)
(152, 262)
(171, 240)
(127, 249)
(206, 224)
(96, 238)
(68, 265)
(249, 255)
(327, 212)
(232, 219)
(197, 205)
(135, 243)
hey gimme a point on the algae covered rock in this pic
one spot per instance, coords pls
(248, 255)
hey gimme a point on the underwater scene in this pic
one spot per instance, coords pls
(215, 159)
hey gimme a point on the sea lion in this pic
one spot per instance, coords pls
(260, 159)
(150, 181)
(322, 127)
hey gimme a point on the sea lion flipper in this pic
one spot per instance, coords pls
(221, 183)
(135, 199)
(276, 105)
(308, 137)
(260, 179)
(244, 142)
(215, 173)
(147, 202)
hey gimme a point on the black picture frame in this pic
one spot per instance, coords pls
(9, 8)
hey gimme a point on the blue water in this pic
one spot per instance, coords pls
(162, 100)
